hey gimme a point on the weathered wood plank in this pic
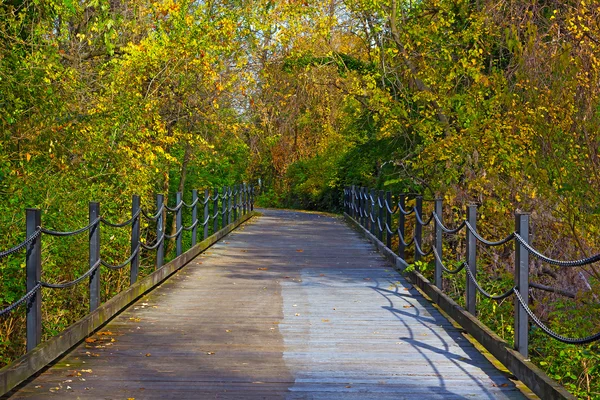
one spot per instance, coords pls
(293, 305)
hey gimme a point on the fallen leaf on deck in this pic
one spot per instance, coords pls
(299, 250)
(262, 269)
(90, 340)
(148, 354)
(324, 320)
(89, 371)
(408, 306)
(210, 353)
(105, 333)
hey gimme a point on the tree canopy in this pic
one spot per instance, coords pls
(493, 102)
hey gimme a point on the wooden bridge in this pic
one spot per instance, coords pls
(291, 305)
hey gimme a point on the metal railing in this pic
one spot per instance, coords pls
(227, 207)
(374, 210)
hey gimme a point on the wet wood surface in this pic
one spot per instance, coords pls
(293, 305)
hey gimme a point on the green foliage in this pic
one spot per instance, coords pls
(343, 62)
(482, 102)
(101, 100)
(422, 267)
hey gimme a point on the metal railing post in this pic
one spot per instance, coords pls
(366, 203)
(244, 198)
(34, 274)
(194, 216)
(363, 207)
(357, 203)
(348, 200)
(215, 212)
(418, 228)
(373, 212)
(135, 240)
(471, 290)
(235, 201)
(388, 220)
(94, 237)
(438, 243)
(345, 197)
(401, 226)
(241, 200)
(206, 213)
(229, 205)
(224, 208)
(251, 197)
(522, 284)
(352, 201)
(160, 231)
(381, 218)
(179, 224)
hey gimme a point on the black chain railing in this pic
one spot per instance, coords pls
(227, 207)
(375, 212)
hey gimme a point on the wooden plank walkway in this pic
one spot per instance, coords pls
(294, 305)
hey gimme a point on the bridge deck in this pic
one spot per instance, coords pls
(293, 305)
